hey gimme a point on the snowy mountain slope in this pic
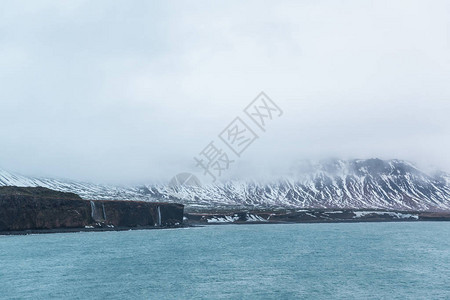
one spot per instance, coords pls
(362, 184)
(85, 190)
(369, 183)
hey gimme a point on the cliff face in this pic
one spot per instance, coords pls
(41, 208)
(135, 213)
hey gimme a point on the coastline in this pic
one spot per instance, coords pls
(201, 220)
(312, 216)
(97, 229)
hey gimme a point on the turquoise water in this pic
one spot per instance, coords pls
(308, 261)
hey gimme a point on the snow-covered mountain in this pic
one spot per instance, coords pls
(371, 183)
(85, 190)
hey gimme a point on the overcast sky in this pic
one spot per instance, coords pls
(130, 91)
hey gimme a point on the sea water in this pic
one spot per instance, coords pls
(292, 261)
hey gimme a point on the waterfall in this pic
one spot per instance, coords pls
(104, 212)
(98, 216)
(92, 209)
(159, 216)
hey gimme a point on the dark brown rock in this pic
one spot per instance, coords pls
(41, 208)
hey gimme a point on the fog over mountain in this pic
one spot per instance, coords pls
(103, 91)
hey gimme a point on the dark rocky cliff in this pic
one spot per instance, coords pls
(42, 208)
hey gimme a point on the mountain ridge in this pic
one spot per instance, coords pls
(354, 184)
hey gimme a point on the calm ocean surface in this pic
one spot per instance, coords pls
(308, 261)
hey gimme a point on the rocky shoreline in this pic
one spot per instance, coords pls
(96, 229)
(311, 216)
(41, 210)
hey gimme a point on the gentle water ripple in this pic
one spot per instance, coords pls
(308, 261)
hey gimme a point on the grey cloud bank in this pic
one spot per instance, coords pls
(132, 91)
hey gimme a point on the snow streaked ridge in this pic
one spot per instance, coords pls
(357, 184)
(360, 184)
(84, 190)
